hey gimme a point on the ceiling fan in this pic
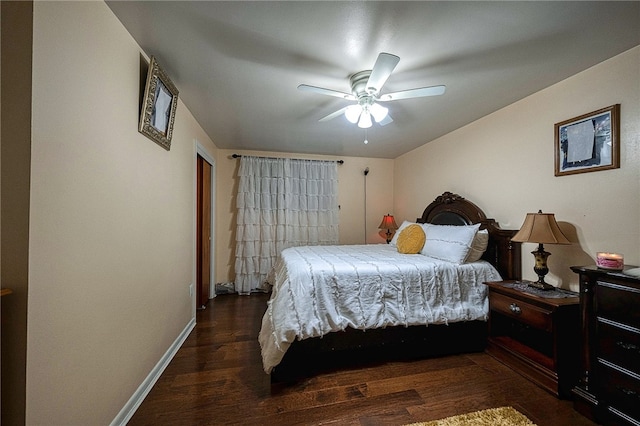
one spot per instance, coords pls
(366, 87)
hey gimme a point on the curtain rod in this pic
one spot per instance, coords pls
(276, 158)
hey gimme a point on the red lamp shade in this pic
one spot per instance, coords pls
(389, 224)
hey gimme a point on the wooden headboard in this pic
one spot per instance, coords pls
(452, 209)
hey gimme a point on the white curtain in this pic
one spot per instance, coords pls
(282, 202)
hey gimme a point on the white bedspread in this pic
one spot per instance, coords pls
(320, 289)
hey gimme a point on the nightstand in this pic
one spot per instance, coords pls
(536, 333)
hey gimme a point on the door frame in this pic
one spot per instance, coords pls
(202, 152)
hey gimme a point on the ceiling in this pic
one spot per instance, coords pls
(237, 64)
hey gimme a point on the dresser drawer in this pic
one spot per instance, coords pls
(618, 302)
(622, 389)
(618, 344)
(533, 315)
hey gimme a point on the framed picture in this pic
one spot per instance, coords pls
(159, 104)
(588, 143)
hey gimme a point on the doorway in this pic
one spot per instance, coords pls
(204, 229)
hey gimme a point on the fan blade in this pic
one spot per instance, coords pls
(333, 114)
(329, 92)
(413, 93)
(381, 71)
(386, 120)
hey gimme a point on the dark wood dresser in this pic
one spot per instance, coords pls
(608, 389)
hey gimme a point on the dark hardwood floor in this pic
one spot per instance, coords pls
(216, 378)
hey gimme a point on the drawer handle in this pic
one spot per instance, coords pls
(515, 309)
(628, 346)
(629, 392)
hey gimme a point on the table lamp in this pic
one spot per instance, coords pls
(540, 228)
(389, 225)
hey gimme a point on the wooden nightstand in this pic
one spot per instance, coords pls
(535, 335)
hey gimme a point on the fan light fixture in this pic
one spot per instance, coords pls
(366, 88)
(363, 111)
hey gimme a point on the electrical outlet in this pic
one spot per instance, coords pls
(190, 290)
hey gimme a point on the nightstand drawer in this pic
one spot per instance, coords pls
(618, 302)
(618, 344)
(530, 314)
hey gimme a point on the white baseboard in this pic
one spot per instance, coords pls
(140, 394)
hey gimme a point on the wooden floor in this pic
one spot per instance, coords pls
(216, 378)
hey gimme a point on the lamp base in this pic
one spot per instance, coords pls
(541, 269)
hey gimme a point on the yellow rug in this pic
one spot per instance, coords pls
(502, 416)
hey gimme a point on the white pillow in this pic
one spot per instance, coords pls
(478, 246)
(394, 240)
(448, 242)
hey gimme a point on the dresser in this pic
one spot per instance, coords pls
(608, 389)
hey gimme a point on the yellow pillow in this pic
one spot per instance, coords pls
(411, 240)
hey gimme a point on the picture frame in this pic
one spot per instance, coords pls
(588, 143)
(159, 103)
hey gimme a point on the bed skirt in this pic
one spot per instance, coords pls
(356, 348)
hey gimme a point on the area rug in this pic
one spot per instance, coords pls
(502, 416)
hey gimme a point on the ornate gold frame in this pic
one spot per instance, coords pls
(159, 91)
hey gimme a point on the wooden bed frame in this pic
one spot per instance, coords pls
(452, 209)
(352, 348)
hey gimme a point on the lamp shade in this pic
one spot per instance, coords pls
(352, 112)
(540, 228)
(378, 112)
(365, 120)
(388, 222)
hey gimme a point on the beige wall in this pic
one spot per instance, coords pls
(351, 198)
(112, 219)
(504, 162)
(111, 224)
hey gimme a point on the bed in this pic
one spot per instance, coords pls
(334, 306)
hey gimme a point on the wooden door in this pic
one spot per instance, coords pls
(203, 255)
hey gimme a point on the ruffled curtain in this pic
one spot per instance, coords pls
(281, 203)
